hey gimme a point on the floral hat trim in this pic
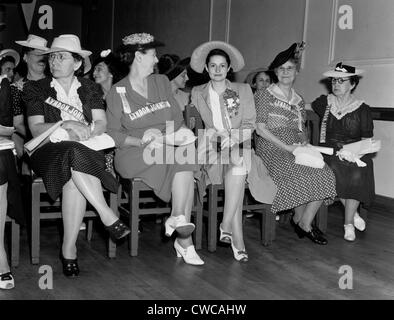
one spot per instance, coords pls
(138, 38)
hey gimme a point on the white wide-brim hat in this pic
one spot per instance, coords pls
(34, 42)
(343, 71)
(10, 53)
(70, 43)
(199, 56)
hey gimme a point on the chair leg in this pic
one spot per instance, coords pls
(212, 217)
(89, 230)
(268, 226)
(321, 218)
(134, 214)
(113, 202)
(15, 243)
(198, 222)
(35, 224)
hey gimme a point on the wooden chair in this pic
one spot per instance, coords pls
(43, 209)
(15, 241)
(138, 197)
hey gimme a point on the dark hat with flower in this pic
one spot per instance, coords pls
(293, 52)
(342, 71)
(142, 41)
(172, 66)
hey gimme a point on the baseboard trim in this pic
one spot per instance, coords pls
(385, 201)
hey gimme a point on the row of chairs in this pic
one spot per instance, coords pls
(136, 199)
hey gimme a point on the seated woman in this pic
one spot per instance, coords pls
(10, 194)
(176, 71)
(9, 59)
(229, 115)
(259, 79)
(138, 109)
(280, 125)
(345, 119)
(69, 167)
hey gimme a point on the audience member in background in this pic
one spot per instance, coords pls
(108, 70)
(346, 119)
(9, 59)
(176, 71)
(138, 109)
(228, 111)
(259, 79)
(10, 195)
(66, 166)
(280, 126)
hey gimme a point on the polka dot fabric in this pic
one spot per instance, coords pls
(296, 184)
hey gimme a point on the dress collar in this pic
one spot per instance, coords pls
(59, 89)
(339, 113)
(278, 94)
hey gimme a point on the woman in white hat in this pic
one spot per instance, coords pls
(280, 127)
(68, 167)
(139, 108)
(346, 119)
(228, 111)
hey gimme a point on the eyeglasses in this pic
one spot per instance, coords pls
(288, 69)
(339, 80)
(59, 56)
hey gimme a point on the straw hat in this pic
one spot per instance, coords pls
(200, 54)
(343, 71)
(70, 43)
(34, 42)
(10, 53)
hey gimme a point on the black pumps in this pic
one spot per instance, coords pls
(117, 230)
(315, 235)
(70, 266)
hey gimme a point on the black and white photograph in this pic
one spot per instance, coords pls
(196, 157)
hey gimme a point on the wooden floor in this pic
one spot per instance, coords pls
(289, 269)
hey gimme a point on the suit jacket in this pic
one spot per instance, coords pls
(246, 117)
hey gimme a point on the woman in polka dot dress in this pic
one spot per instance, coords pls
(280, 125)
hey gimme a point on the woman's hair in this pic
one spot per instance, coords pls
(118, 69)
(5, 60)
(126, 53)
(354, 80)
(268, 73)
(78, 58)
(217, 52)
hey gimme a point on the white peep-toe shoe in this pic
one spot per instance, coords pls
(178, 223)
(7, 281)
(189, 254)
(240, 255)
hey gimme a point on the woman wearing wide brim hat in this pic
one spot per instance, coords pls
(280, 126)
(346, 119)
(259, 79)
(228, 111)
(66, 166)
(175, 69)
(9, 59)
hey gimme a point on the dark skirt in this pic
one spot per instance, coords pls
(8, 174)
(54, 161)
(353, 182)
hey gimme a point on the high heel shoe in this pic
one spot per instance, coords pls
(189, 254)
(7, 281)
(70, 266)
(117, 230)
(240, 255)
(311, 235)
(225, 237)
(178, 223)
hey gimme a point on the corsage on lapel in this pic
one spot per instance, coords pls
(231, 102)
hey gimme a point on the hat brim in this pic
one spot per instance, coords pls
(252, 74)
(82, 53)
(282, 57)
(27, 44)
(87, 65)
(338, 74)
(200, 54)
(10, 53)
